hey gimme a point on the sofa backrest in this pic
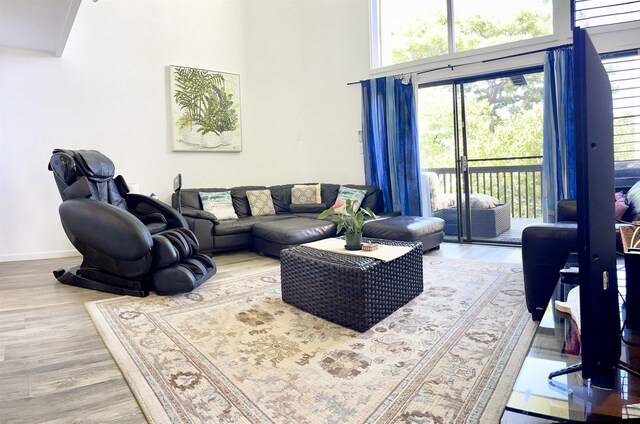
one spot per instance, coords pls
(190, 197)
(240, 200)
(281, 195)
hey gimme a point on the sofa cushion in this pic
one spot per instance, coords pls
(372, 199)
(482, 201)
(219, 204)
(305, 194)
(307, 208)
(633, 200)
(244, 225)
(406, 228)
(620, 205)
(353, 194)
(260, 202)
(281, 196)
(329, 193)
(240, 201)
(190, 198)
(294, 231)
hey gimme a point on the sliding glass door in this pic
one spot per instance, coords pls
(481, 146)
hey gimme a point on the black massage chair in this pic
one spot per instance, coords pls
(131, 244)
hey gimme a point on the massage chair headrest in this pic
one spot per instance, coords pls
(93, 164)
(78, 171)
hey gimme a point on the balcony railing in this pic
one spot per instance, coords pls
(518, 185)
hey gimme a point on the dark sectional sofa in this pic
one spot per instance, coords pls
(290, 226)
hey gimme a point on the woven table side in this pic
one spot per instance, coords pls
(353, 291)
(391, 285)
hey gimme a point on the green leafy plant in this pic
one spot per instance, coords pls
(227, 115)
(344, 215)
(202, 98)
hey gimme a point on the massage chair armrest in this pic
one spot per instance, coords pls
(566, 210)
(153, 218)
(199, 214)
(141, 205)
(105, 228)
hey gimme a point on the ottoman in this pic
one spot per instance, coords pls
(353, 291)
(485, 223)
(271, 237)
(428, 231)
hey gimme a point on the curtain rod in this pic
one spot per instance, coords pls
(481, 61)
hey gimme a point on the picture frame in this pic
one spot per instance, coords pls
(205, 110)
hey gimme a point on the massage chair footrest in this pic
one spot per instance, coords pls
(77, 276)
(185, 276)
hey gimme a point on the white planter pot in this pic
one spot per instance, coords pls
(226, 138)
(210, 140)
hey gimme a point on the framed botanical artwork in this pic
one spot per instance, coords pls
(205, 110)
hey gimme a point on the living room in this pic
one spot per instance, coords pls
(109, 90)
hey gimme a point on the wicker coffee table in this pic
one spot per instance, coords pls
(352, 291)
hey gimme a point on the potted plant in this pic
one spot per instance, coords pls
(352, 221)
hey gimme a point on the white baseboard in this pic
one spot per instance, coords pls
(39, 255)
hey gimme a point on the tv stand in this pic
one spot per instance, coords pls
(555, 352)
(605, 379)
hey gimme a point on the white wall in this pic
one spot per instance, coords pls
(304, 117)
(109, 92)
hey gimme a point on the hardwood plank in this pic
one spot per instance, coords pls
(77, 376)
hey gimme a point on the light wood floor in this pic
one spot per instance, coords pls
(54, 366)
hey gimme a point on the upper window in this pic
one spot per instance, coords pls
(406, 30)
(624, 75)
(591, 13)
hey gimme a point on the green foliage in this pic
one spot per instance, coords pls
(495, 128)
(346, 218)
(203, 100)
(427, 36)
(503, 119)
(477, 31)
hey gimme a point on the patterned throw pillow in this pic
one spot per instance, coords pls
(219, 204)
(620, 205)
(305, 194)
(483, 201)
(356, 196)
(260, 202)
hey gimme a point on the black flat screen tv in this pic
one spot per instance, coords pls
(595, 186)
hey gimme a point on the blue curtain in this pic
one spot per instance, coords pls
(390, 143)
(558, 150)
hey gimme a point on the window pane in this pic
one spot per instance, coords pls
(412, 29)
(477, 25)
(590, 13)
(409, 30)
(624, 75)
(436, 127)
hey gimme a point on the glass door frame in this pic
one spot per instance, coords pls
(461, 146)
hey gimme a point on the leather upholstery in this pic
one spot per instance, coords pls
(545, 249)
(428, 231)
(130, 243)
(294, 231)
(216, 235)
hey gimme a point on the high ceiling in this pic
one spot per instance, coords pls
(37, 24)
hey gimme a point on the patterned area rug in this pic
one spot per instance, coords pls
(232, 352)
